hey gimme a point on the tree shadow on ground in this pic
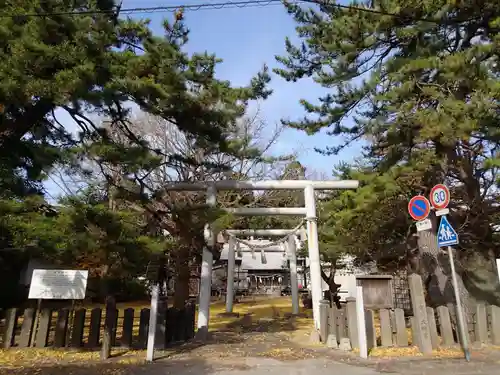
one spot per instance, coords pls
(252, 331)
(276, 324)
(114, 367)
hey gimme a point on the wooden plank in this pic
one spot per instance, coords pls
(431, 317)
(42, 334)
(27, 328)
(352, 322)
(161, 325)
(170, 328)
(61, 328)
(112, 319)
(371, 334)
(11, 317)
(78, 326)
(401, 332)
(445, 326)
(95, 328)
(191, 313)
(143, 328)
(495, 324)
(182, 319)
(128, 326)
(385, 328)
(481, 324)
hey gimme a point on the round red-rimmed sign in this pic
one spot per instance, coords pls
(419, 207)
(440, 197)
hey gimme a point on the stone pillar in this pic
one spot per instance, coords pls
(352, 323)
(420, 313)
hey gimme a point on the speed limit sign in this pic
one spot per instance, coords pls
(440, 197)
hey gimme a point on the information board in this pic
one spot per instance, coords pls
(58, 284)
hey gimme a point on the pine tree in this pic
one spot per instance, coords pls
(418, 81)
(82, 58)
(96, 63)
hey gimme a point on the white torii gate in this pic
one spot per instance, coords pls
(309, 211)
(290, 248)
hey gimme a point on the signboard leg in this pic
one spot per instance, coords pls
(460, 313)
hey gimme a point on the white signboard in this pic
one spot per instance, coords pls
(422, 225)
(58, 284)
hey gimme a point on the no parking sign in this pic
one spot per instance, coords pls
(419, 207)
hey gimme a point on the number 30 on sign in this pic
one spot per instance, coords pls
(440, 197)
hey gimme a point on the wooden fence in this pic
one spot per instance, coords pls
(430, 330)
(386, 328)
(84, 328)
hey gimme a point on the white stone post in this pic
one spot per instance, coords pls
(153, 315)
(231, 261)
(312, 241)
(206, 274)
(292, 253)
(361, 320)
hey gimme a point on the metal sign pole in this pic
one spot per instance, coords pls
(460, 313)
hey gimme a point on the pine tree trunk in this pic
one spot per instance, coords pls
(109, 298)
(436, 273)
(108, 326)
(182, 276)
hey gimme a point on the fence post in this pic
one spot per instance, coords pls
(323, 318)
(332, 328)
(95, 327)
(385, 328)
(189, 321)
(128, 326)
(495, 324)
(109, 336)
(42, 334)
(352, 323)
(161, 324)
(27, 328)
(371, 334)
(420, 313)
(445, 325)
(143, 328)
(401, 333)
(61, 328)
(481, 324)
(10, 327)
(431, 316)
(78, 326)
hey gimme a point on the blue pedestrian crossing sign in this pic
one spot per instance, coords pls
(447, 236)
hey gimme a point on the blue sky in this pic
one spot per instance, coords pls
(246, 39)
